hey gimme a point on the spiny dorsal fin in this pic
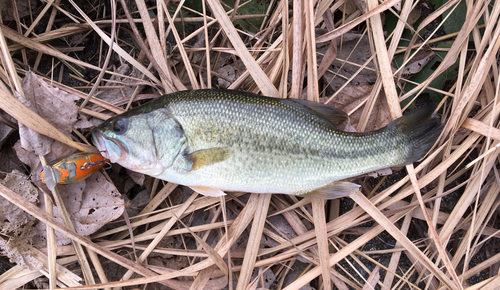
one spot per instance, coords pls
(206, 157)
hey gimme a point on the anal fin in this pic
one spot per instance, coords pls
(333, 190)
(208, 191)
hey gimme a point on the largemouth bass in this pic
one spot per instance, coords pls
(221, 140)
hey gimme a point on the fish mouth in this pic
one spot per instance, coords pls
(98, 140)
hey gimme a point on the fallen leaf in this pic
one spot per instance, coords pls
(137, 177)
(414, 15)
(6, 131)
(351, 97)
(45, 100)
(167, 242)
(17, 248)
(198, 56)
(24, 8)
(129, 86)
(267, 277)
(91, 203)
(16, 224)
(229, 76)
(12, 217)
(355, 49)
(10, 161)
(295, 272)
(350, 7)
(31, 140)
(83, 123)
(418, 62)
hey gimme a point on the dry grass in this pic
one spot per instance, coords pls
(281, 60)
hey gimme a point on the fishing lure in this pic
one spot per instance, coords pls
(72, 168)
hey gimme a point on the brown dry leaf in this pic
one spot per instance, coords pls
(6, 131)
(280, 223)
(55, 105)
(12, 217)
(101, 203)
(31, 140)
(260, 276)
(418, 61)
(349, 7)
(83, 123)
(16, 224)
(350, 98)
(10, 161)
(229, 73)
(24, 8)
(17, 248)
(296, 271)
(198, 56)
(127, 91)
(414, 15)
(46, 100)
(91, 203)
(136, 177)
(352, 53)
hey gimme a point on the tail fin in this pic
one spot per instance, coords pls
(422, 128)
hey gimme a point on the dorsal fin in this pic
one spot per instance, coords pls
(333, 115)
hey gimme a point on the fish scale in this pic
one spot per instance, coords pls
(222, 140)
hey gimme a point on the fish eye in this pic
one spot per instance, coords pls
(120, 127)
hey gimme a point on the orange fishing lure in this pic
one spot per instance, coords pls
(72, 168)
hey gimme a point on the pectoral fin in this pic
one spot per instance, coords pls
(205, 157)
(333, 190)
(208, 191)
